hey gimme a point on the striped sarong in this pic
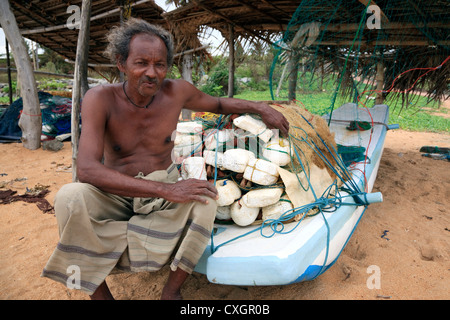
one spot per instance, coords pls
(102, 233)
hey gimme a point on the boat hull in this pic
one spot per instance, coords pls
(305, 250)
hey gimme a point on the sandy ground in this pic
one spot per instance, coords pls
(413, 258)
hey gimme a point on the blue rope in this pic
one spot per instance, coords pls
(330, 201)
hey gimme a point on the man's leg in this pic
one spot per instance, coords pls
(171, 290)
(92, 236)
(179, 232)
(102, 293)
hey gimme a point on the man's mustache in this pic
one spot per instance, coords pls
(150, 80)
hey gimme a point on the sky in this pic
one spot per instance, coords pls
(215, 36)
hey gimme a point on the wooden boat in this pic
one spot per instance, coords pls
(299, 251)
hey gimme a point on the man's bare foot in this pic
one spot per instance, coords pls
(102, 293)
(171, 290)
(171, 295)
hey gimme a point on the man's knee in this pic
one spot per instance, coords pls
(206, 211)
(72, 192)
(68, 200)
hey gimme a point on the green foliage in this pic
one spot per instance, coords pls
(217, 83)
(50, 84)
(4, 100)
(51, 61)
(6, 88)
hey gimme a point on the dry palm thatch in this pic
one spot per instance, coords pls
(50, 23)
(412, 35)
(407, 52)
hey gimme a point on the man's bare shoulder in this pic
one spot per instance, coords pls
(101, 97)
(170, 85)
(179, 89)
(103, 90)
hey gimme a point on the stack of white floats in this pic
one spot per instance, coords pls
(249, 187)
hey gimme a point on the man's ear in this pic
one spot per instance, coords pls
(119, 64)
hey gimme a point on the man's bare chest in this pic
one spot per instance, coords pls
(148, 131)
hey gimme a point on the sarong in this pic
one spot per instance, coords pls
(101, 232)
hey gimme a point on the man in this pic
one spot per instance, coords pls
(130, 211)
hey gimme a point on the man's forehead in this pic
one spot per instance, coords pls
(146, 37)
(149, 42)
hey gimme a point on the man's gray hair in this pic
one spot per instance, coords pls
(119, 39)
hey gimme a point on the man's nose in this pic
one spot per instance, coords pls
(150, 71)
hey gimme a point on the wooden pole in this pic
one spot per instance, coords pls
(186, 74)
(8, 70)
(80, 70)
(293, 75)
(231, 62)
(30, 120)
(322, 74)
(380, 82)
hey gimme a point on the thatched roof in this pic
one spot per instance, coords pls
(259, 19)
(413, 34)
(45, 22)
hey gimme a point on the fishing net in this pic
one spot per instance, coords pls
(332, 53)
(55, 112)
(362, 50)
(244, 159)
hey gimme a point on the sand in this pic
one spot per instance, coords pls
(412, 258)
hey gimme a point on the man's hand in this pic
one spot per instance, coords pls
(274, 119)
(191, 190)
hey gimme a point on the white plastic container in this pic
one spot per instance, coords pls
(186, 144)
(264, 197)
(278, 151)
(183, 139)
(243, 215)
(193, 167)
(274, 211)
(237, 159)
(191, 127)
(261, 172)
(218, 138)
(223, 213)
(254, 126)
(210, 158)
(228, 191)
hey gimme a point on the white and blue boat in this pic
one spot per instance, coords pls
(290, 252)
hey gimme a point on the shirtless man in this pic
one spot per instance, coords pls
(127, 128)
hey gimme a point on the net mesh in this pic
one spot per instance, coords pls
(352, 45)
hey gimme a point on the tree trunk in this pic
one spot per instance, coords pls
(8, 70)
(293, 75)
(186, 74)
(80, 72)
(231, 63)
(30, 120)
(380, 83)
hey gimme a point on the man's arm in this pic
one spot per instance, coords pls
(90, 168)
(199, 101)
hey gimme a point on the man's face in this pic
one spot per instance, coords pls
(146, 66)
